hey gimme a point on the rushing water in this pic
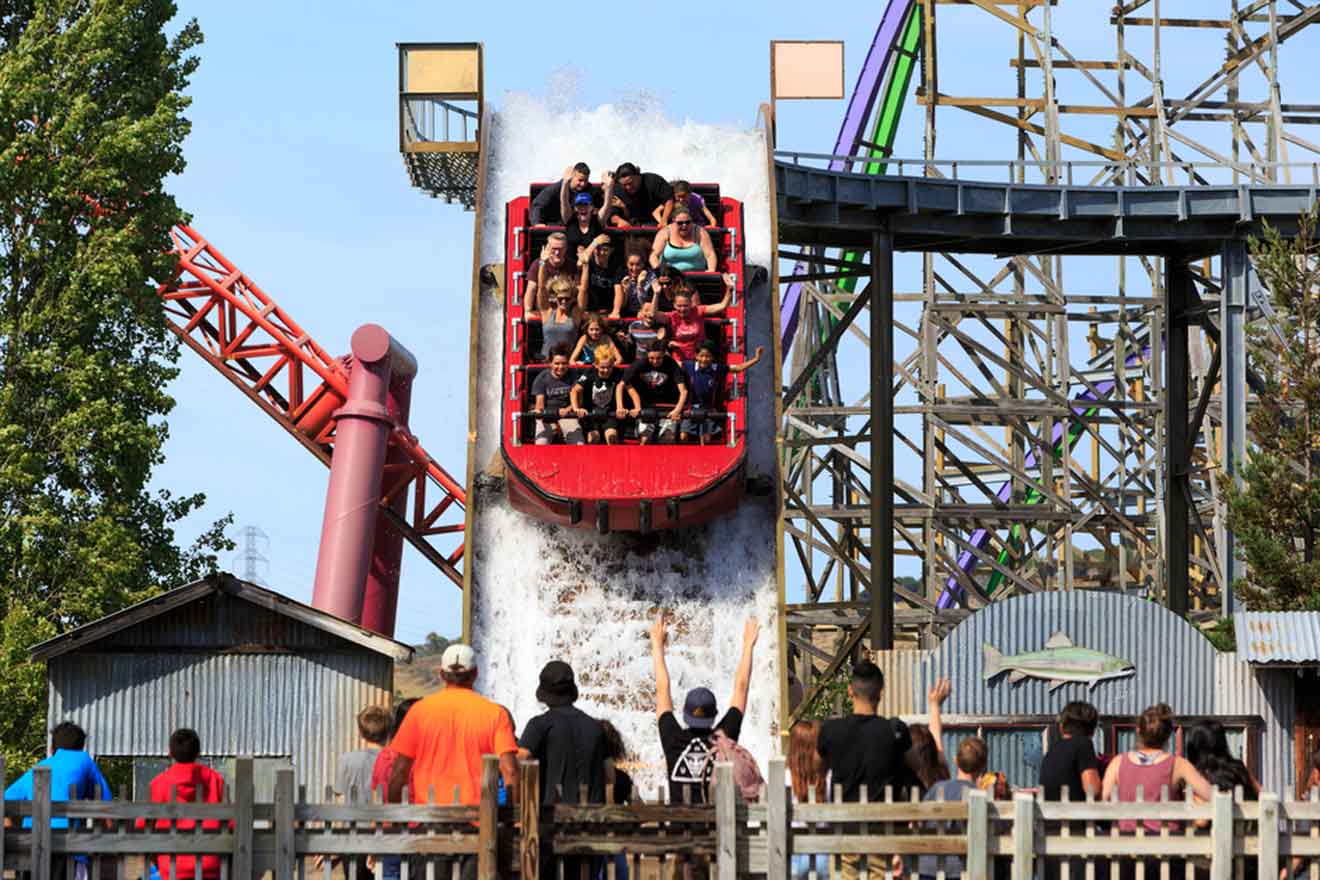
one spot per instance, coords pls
(541, 592)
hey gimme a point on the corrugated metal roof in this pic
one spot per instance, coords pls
(176, 602)
(1278, 636)
(1175, 663)
(1241, 689)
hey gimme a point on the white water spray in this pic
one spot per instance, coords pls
(542, 592)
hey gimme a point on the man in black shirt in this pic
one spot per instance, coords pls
(569, 743)
(1071, 763)
(687, 750)
(639, 199)
(661, 386)
(554, 204)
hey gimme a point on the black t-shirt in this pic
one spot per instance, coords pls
(863, 750)
(556, 391)
(686, 753)
(544, 209)
(1063, 765)
(639, 207)
(600, 288)
(579, 239)
(655, 385)
(570, 745)
(598, 393)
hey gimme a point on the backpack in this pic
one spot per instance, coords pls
(746, 775)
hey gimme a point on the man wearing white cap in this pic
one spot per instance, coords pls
(440, 743)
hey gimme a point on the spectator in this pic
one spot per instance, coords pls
(662, 393)
(647, 329)
(639, 199)
(380, 771)
(568, 743)
(559, 322)
(553, 205)
(1070, 764)
(970, 760)
(863, 751)
(687, 322)
(186, 781)
(582, 226)
(705, 377)
(596, 394)
(668, 281)
(616, 753)
(441, 741)
(684, 197)
(1151, 769)
(925, 760)
(552, 399)
(635, 287)
(593, 338)
(353, 775)
(683, 245)
(687, 748)
(597, 290)
(552, 265)
(1206, 746)
(807, 775)
(73, 774)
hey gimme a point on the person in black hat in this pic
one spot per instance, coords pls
(568, 743)
(686, 749)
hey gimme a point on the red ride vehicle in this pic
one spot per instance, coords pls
(627, 486)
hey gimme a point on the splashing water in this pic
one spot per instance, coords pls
(542, 592)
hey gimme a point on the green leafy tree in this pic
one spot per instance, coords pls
(1275, 514)
(91, 122)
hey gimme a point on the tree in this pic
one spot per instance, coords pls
(1275, 513)
(91, 122)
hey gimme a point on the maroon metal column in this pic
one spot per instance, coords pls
(352, 501)
(381, 601)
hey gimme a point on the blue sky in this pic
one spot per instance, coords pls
(294, 173)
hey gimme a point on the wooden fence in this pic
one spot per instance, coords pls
(1023, 838)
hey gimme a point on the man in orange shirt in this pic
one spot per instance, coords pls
(439, 746)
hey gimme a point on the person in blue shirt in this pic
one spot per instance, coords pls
(705, 378)
(70, 767)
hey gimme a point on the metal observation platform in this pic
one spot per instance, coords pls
(878, 214)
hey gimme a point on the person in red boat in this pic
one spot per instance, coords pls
(596, 394)
(553, 264)
(661, 393)
(687, 322)
(552, 397)
(705, 377)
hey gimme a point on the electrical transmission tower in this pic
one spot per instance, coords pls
(255, 565)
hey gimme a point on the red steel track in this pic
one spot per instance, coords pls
(224, 317)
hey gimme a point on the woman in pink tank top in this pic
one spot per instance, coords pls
(1142, 775)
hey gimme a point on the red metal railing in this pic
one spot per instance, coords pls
(230, 322)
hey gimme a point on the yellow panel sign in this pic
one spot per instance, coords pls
(806, 69)
(443, 71)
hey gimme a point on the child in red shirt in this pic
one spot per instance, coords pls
(190, 782)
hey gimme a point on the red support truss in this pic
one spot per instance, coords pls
(224, 317)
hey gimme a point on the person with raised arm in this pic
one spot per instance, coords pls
(553, 264)
(687, 322)
(687, 748)
(706, 377)
(552, 205)
(684, 245)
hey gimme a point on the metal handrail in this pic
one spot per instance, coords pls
(1126, 169)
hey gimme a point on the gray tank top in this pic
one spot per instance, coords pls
(557, 333)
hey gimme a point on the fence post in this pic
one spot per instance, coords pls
(244, 795)
(776, 826)
(488, 819)
(726, 818)
(978, 834)
(1024, 842)
(40, 823)
(1267, 858)
(284, 854)
(529, 807)
(1221, 836)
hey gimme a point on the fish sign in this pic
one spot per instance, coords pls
(1059, 662)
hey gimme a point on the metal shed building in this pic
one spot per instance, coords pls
(252, 671)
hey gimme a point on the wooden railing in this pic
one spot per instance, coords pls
(1022, 838)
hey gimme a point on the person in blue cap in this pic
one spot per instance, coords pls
(686, 748)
